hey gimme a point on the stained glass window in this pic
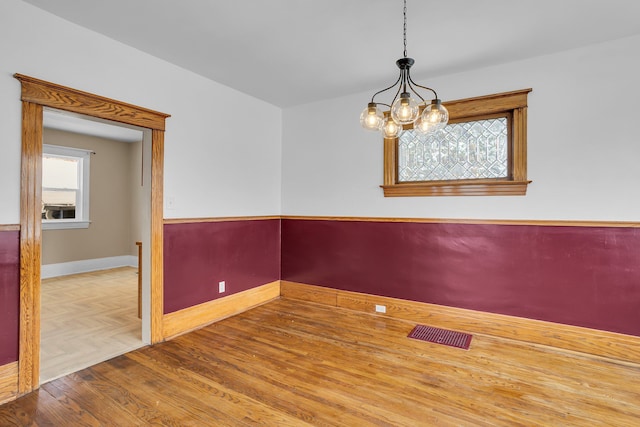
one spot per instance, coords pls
(467, 150)
(481, 152)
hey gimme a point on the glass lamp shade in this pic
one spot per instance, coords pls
(372, 118)
(423, 126)
(391, 129)
(434, 117)
(405, 109)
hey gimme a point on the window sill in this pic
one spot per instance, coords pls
(461, 188)
(64, 224)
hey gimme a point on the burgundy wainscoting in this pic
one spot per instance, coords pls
(245, 254)
(582, 276)
(9, 295)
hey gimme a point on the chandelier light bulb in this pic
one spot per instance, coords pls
(423, 126)
(372, 118)
(405, 109)
(391, 129)
(434, 117)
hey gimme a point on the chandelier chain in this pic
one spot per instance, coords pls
(404, 12)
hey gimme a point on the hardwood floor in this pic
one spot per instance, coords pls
(86, 319)
(292, 363)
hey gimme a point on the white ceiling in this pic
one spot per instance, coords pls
(290, 52)
(70, 122)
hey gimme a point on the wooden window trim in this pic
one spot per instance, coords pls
(510, 103)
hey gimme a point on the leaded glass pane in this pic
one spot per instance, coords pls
(467, 150)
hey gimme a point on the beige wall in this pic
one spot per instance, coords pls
(137, 194)
(112, 177)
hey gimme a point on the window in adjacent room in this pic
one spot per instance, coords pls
(481, 151)
(65, 187)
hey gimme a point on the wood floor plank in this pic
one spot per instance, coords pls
(314, 376)
(378, 362)
(95, 401)
(553, 375)
(142, 396)
(384, 377)
(293, 363)
(21, 412)
(61, 411)
(146, 409)
(75, 412)
(285, 392)
(202, 391)
(172, 398)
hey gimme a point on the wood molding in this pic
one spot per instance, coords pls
(594, 342)
(390, 156)
(64, 98)
(311, 293)
(519, 155)
(8, 382)
(35, 95)
(188, 319)
(541, 223)
(219, 219)
(30, 247)
(487, 104)
(443, 188)
(471, 221)
(157, 236)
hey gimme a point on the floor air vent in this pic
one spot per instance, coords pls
(441, 336)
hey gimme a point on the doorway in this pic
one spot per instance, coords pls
(36, 95)
(95, 199)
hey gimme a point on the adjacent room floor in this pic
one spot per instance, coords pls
(86, 319)
(292, 363)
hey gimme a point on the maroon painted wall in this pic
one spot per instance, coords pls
(584, 276)
(245, 254)
(9, 295)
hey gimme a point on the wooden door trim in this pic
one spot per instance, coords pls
(35, 95)
(64, 98)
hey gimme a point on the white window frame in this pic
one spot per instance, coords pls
(82, 200)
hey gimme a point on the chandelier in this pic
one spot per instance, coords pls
(405, 109)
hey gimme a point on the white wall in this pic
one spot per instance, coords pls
(315, 159)
(583, 144)
(215, 163)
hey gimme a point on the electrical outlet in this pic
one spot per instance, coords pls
(381, 308)
(221, 287)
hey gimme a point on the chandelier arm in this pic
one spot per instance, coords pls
(397, 93)
(405, 79)
(384, 90)
(435, 94)
(413, 89)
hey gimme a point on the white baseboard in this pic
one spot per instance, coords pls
(87, 265)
